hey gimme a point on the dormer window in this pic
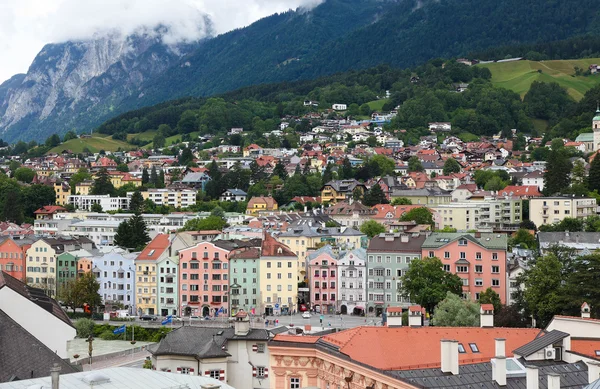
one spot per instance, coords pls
(279, 250)
(461, 348)
(462, 242)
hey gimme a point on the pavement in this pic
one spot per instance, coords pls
(329, 321)
(129, 360)
(100, 347)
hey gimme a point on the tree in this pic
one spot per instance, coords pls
(158, 142)
(69, 135)
(346, 172)
(523, 238)
(371, 228)
(53, 141)
(415, 165)
(24, 174)
(489, 296)
(145, 176)
(456, 312)
(279, 171)
(375, 196)
(558, 170)
(96, 207)
(427, 283)
(122, 167)
(419, 215)
(69, 295)
(331, 223)
(136, 204)
(87, 287)
(209, 223)
(12, 210)
(132, 234)
(401, 201)
(82, 175)
(218, 211)
(594, 176)
(153, 177)
(451, 166)
(102, 184)
(578, 174)
(365, 110)
(544, 288)
(495, 184)
(186, 157)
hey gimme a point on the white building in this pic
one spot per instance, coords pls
(339, 107)
(106, 202)
(233, 195)
(115, 273)
(178, 198)
(168, 285)
(352, 281)
(101, 232)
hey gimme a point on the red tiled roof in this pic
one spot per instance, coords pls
(49, 209)
(155, 248)
(414, 308)
(587, 347)
(487, 307)
(270, 248)
(521, 190)
(378, 346)
(296, 339)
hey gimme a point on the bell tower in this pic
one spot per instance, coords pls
(596, 129)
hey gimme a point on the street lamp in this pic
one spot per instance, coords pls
(90, 341)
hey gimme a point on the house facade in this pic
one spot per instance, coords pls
(323, 283)
(244, 278)
(479, 259)
(168, 288)
(116, 274)
(146, 265)
(12, 257)
(352, 281)
(550, 210)
(278, 282)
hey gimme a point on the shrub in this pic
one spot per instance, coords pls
(108, 335)
(84, 327)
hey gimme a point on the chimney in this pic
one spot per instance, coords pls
(499, 363)
(449, 354)
(553, 381)
(55, 376)
(404, 238)
(532, 377)
(414, 316)
(241, 324)
(394, 317)
(486, 315)
(593, 371)
(585, 311)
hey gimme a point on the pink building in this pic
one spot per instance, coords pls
(322, 272)
(479, 259)
(203, 279)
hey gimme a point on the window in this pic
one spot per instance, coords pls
(474, 347)
(431, 254)
(495, 282)
(461, 348)
(462, 269)
(446, 254)
(216, 374)
(463, 255)
(462, 242)
(478, 256)
(294, 383)
(447, 268)
(260, 371)
(495, 269)
(260, 348)
(495, 256)
(186, 370)
(478, 269)
(478, 282)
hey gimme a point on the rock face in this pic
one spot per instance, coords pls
(78, 84)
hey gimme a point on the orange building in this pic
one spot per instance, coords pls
(12, 257)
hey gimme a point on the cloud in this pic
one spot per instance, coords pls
(26, 25)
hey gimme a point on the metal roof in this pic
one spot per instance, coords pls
(539, 343)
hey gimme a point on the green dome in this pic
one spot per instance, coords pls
(597, 117)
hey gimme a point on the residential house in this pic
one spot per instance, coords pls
(146, 265)
(550, 210)
(12, 256)
(388, 258)
(168, 288)
(260, 204)
(479, 259)
(352, 281)
(341, 190)
(491, 214)
(62, 191)
(107, 202)
(323, 274)
(115, 271)
(582, 243)
(430, 196)
(204, 279)
(48, 211)
(173, 196)
(238, 355)
(278, 282)
(233, 195)
(349, 213)
(196, 180)
(244, 278)
(535, 178)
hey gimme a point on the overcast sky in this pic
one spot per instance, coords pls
(27, 25)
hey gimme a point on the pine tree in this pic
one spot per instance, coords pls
(102, 184)
(346, 172)
(136, 204)
(123, 235)
(138, 232)
(557, 176)
(375, 196)
(306, 170)
(153, 177)
(594, 176)
(327, 174)
(13, 209)
(145, 176)
(161, 179)
(280, 171)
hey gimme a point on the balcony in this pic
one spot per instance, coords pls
(145, 273)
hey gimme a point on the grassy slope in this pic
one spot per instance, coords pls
(519, 75)
(377, 105)
(171, 140)
(96, 143)
(146, 135)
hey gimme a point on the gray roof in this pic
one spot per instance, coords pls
(573, 239)
(308, 231)
(479, 375)
(540, 343)
(395, 244)
(593, 385)
(487, 240)
(237, 192)
(195, 177)
(420, 192)
(23, 356)
(202, 342)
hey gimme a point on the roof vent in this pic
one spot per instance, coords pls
(96, 379)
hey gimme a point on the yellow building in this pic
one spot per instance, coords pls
(550, 210)
(278, 267)
(118, 179)
(84, 188)
(63, 191)
(340, 190)
(261, 204)
(178, 198)
(41, 266)
(426, 196)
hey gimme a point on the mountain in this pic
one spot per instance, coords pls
(76, 85)
(337, 35)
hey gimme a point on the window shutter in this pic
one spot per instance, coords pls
(169, 370)
(191, 371)
(266, 373)
(179, 370)
(254, 372)
(207, 373)
(255, 347)
(222, 375)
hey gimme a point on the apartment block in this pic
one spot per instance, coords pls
(550, 210)
(174, 197)
(492, 214)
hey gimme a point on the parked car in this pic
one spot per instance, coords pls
(194, 317)
(148, 317)
(306, 315)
